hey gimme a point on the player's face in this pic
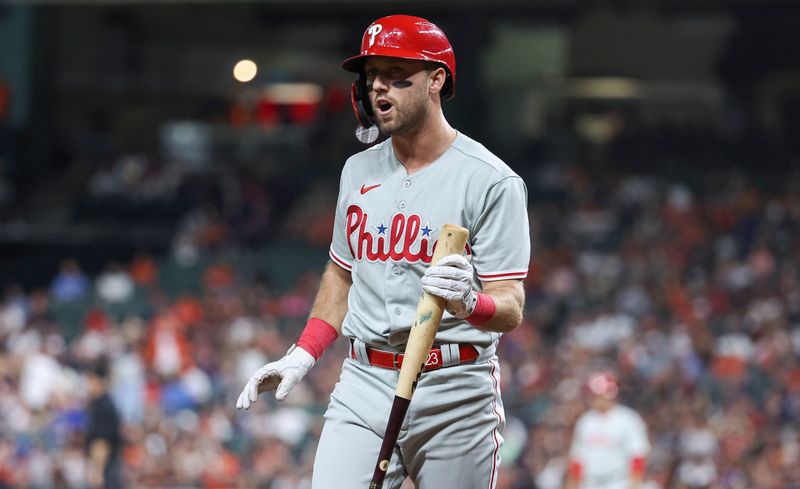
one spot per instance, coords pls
(601, 403)
(398, 92)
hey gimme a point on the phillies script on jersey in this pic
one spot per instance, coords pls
(394, 242)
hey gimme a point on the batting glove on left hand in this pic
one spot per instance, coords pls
(282, 375)
(451, 279)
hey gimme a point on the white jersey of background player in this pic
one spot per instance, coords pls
(393, 200)
(609, 443)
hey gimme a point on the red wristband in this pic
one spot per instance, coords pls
(317, 337)
(638, 465)
(484, 310)
(575, 470)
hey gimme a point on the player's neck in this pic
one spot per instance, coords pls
(604, 408)
(421, 147)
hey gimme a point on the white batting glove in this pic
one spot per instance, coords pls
(282, 374)
(451, 279)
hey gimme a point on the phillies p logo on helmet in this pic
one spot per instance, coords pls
(373, 31)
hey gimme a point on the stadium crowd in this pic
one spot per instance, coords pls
(690, 292)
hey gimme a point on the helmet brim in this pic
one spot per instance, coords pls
(356, 63)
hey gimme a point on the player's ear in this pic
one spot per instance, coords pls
(436, 79)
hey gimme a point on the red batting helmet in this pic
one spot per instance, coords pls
(401, 36)
(604, 384)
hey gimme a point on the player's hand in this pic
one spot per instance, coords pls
(451, 279)
(282, 374)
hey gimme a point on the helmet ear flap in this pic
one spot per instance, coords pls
(361, 106)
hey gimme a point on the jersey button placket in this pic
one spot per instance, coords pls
(403, 204)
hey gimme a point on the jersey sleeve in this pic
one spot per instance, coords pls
(501, 237)
(339, 250)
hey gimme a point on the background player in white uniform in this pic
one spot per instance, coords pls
(393, 200)
(609, 444)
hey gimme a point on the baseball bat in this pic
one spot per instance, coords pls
(430, 308)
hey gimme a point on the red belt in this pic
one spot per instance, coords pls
(394, 360)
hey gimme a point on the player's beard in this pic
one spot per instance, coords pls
(408, 115)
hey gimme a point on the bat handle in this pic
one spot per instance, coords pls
(399, 409)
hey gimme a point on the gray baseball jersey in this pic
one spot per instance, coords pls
(387, 223)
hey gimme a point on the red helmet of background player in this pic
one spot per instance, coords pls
(603, 384)
(406, 37)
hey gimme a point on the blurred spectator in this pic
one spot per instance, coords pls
(143, 269)
(97, 338)
(103, 434)
(7, 465)
(188, 311)
(218, 276)
(41, 373)
(167, 351)
(70, 284)
(200, 230)
(698, 446)
(114, 284)
(13, 311)
(135, 177)
(128, 385)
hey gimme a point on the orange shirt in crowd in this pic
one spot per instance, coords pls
(143, 270)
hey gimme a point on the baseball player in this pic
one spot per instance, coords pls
(609, 444)
(393, 200)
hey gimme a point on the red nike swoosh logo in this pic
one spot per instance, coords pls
(365, 189)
